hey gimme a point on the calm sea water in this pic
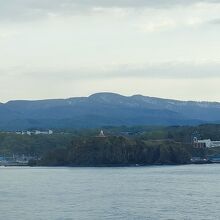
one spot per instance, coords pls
(134, 193)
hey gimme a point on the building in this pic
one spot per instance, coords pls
(215, 144)
(16, 160)
(28, 133)
(49, 132)
(207, 143)
(36, 132)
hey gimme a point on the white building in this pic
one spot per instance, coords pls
(43, 132)
(206, 143)
(215, 143)
(28, 133)
(49, 132)
(101, 134)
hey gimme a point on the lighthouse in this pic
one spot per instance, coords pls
(101, 134)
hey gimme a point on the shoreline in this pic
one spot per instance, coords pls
(111, 166)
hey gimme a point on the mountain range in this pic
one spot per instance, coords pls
(105, 109)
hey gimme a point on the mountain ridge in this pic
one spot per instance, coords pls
(108, 93)
(105, 109)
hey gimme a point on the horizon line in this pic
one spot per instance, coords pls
(107, 92)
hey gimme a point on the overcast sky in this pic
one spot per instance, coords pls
(66, 48)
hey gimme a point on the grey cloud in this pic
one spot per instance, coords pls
(214, 21)
(31, 9)
(170, 70)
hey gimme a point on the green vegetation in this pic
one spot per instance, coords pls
(122, 146)
(116, 151)
(35, 145)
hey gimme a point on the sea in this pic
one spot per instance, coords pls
(131, 193)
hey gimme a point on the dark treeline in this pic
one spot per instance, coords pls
(34, 145)
(110, 151)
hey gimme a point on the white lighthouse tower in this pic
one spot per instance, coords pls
(101, 134)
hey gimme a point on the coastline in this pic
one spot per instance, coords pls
(116, 165)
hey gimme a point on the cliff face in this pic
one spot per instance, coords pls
(103, 109)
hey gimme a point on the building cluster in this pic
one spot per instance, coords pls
(15, 160)
(36, 132)
(207, 143)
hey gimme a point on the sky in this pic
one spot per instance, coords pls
(67, 48)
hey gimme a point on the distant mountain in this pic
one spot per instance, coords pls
(105, 109)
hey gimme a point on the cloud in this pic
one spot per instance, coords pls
(214, 21)
(167, 70)
(159, 25)
(42, 88)
(8, 34)
(163, 70)
(45, 43)
(24, 10)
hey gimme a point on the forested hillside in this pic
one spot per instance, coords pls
(117, 151)
(105, 109)
(121, 145)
